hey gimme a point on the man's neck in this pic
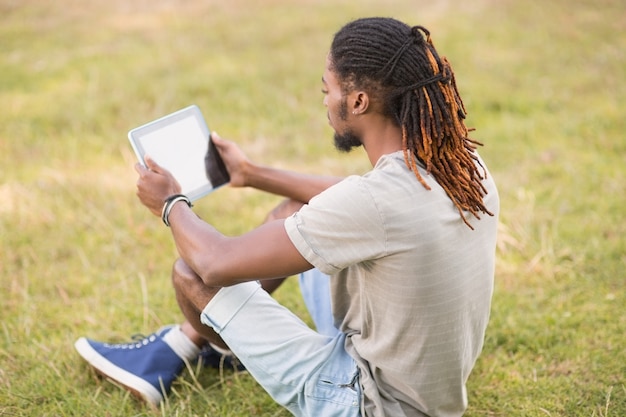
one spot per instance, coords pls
(380, 137)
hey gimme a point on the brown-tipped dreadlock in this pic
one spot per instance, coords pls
(419, 90)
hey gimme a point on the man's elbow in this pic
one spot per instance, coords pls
(213, 273)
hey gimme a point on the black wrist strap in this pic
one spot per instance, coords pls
(169, 203)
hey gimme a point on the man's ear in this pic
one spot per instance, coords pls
(361, 102)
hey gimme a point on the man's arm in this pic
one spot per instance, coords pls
(290, 184)
(244, 173)
(265, 252)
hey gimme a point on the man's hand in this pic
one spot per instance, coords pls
(245, 173)
(235, 160)
(154, 185)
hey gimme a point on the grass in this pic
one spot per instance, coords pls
(543, 82)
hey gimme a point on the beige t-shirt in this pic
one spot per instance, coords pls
(411, 284)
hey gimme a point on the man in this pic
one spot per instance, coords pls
(409, 246)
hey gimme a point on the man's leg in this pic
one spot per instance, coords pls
(307, 372)
(191, 292)
(315, 289)
(147, 367)
(189, 330)
(199, 295)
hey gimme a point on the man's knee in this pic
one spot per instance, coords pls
(285, 209)
(189, 286)
(182, 273)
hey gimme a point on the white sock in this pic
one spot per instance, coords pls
(181, 344)
(221, 350)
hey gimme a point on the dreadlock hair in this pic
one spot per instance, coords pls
(399, 64)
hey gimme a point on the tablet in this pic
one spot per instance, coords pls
(181, 143)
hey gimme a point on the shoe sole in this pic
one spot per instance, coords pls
(137, 386)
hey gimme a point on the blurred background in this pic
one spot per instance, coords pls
(543, 82)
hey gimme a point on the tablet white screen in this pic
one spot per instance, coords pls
(185, 162)
(180, 143)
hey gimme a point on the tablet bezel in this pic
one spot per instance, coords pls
(138, 135)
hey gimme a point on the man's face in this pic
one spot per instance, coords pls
(338, 115)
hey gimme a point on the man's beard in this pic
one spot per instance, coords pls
(346, 141)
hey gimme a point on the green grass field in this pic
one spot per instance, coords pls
(544, 83)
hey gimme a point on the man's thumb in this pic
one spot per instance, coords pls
(151, 164)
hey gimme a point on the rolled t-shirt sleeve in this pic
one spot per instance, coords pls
(340, 227)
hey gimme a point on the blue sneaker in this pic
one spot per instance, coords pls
(146, 367)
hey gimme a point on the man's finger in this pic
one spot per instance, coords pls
(140, 169)
(151, 164)
(217, 140)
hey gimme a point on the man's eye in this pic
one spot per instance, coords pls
(324, 91)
